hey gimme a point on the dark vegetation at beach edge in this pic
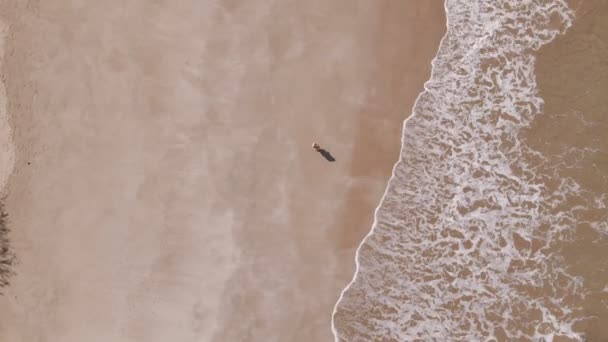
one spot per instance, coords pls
(7, 258)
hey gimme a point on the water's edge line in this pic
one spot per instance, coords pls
(399, 160)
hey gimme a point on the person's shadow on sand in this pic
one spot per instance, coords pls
(326, 155)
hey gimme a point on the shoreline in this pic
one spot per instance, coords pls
(364, 177)
(172, 181)
(375, 217)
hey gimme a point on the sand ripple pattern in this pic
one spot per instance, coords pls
(463, 246)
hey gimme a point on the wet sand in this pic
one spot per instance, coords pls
(165, 187)
(573, 79)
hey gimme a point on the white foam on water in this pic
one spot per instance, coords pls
(462, 243)
(7, 146)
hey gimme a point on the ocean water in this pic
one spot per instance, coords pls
(467, 238)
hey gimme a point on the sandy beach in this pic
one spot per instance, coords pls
(164, 186)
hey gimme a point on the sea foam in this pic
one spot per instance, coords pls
(462, 247)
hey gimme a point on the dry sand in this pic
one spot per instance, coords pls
(165, 188)
(572, 73)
